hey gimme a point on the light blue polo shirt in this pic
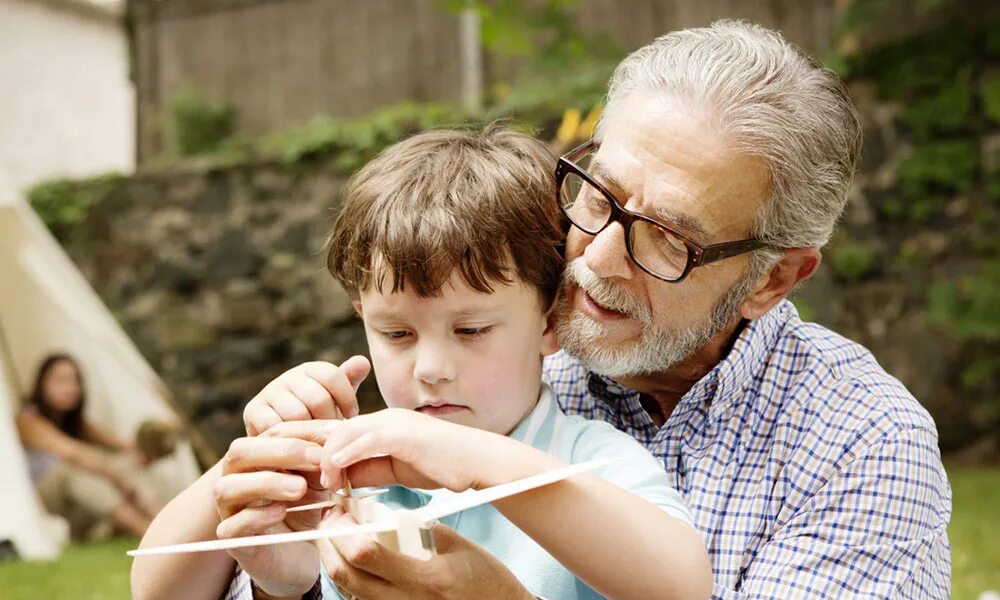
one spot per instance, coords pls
(572, 439)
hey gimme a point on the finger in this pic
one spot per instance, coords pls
(236, 491)
(258, 417)
(341, 383)
(363, 438)
(315, 430)
(314, 396)
(288, 406)
(344, 575)
(271, 453)
(368, 556)
(250, 521)
(447, 540)
(356, 368)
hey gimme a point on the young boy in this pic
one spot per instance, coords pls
(449, 243)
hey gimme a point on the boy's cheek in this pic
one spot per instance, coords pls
(394, 385)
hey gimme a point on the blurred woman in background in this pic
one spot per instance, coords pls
(82, 472)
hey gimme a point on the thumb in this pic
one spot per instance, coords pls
(356, 368)
(446, 539)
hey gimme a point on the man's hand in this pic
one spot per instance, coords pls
(362, 568)
(313, 390)
(251, 497)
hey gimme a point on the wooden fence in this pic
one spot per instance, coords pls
(282, 62)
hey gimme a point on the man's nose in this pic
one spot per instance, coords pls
(606, 255)
(433, 365)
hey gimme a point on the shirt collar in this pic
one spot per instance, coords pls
(545, 409)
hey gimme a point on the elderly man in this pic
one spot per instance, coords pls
(720, 167)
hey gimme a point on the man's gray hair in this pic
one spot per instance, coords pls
(773, 101)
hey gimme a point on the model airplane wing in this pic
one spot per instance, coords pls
(472, 499)
(463, 501)
(263, 540)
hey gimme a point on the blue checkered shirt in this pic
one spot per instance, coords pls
(809, 470)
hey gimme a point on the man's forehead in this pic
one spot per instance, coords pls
(680, 166)
(667, 213)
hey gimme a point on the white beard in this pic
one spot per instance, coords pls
(656, 350)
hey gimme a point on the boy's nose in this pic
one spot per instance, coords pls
(433, 365)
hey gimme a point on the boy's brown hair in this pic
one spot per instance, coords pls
(482, 202)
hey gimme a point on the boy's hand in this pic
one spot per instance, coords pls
(251, 497)
(421, 452)
(312, 390)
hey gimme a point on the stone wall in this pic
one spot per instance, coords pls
(219, 277)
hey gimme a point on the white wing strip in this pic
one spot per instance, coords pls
(472, 499)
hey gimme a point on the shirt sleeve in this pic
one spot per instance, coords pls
(241, 588)
(870, 531)
(634, 469)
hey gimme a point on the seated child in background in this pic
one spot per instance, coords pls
(449, 243)
(82, 470)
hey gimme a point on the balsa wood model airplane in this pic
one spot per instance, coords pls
(407, 531)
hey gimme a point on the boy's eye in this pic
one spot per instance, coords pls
(395, 335)
(473, 331)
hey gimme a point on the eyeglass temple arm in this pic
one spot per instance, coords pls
(580, 150)
(727, 249)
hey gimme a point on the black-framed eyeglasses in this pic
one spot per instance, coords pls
(657, 248)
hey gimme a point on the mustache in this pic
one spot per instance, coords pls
(609, 294)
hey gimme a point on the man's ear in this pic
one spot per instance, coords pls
(549, 343)
(797, 265)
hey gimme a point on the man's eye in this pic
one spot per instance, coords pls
(473, 332)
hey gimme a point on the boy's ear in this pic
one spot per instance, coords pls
(356, 303)
(549, 343)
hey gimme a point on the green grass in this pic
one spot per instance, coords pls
(99, 571)
(975, 531)
(84, 572)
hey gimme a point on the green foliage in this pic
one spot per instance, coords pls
(989, 91)
(356, 141)
(860, 15)
(970, 305)
(62, 203)
(562, 68)
(932, 174)
(969, 308)
(200, 125)
(852, 261)
(944, 166)
(544, 32)
(536, 99)
(991, 39)
(947, 109)
(920, 64)
(806, 310)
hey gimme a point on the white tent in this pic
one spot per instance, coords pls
(47, 306)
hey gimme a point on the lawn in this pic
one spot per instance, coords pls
(84, 572)
(98, 571)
